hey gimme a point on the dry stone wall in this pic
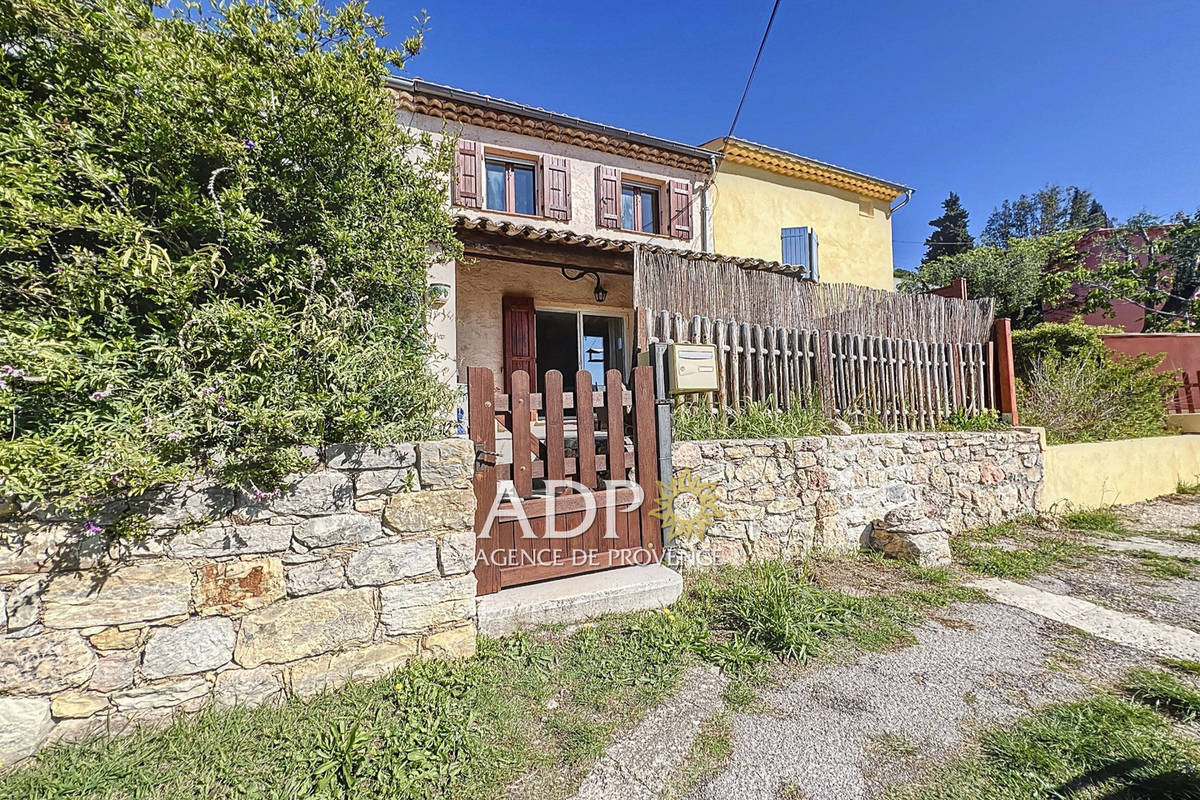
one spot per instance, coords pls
(787, 497)
(235, 598)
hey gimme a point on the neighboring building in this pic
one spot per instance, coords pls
(772, 204)
(1097, 246)
(550, 209)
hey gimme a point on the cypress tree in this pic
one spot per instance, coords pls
(950, 235)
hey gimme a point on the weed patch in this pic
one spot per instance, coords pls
(1098, 520)
(1102, 747)
(1183, 665)
(1162, 567)
(1163, 692)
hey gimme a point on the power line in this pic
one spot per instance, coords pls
(753, 69)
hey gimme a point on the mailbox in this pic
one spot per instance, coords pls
(692, 368)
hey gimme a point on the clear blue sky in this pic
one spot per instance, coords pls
(988, 99)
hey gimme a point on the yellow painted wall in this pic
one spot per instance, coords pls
(1098, 474)
(751, 205)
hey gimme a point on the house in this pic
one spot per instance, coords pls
(551, 208)
(1096, 247)
(772, 204)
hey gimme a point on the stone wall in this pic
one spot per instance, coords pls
(785, 497)
(234, 598)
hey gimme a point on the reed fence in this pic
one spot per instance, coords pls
(899, 383)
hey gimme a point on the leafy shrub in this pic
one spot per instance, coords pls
(1070, 340)
(693, 422)
(1088, 398)
(213, 242)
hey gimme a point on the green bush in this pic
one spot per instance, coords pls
(1074, 339)
(1080, 391)
(213, 242)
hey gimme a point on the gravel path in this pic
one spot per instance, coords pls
(831, 733)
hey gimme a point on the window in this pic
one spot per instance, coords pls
(639, 208)
(511, 186)
(569, 341)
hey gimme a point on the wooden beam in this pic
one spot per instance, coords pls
(1006, 379)
(547, 254)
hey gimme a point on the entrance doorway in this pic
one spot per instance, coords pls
(569, 341)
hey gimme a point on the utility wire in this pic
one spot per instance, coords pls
(753, 69)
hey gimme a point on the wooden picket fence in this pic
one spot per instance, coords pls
(902, 384)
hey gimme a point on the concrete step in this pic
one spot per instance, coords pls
(578, 598)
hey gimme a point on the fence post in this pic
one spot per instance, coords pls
(1006, 379)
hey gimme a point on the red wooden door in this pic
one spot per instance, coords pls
(520, 337)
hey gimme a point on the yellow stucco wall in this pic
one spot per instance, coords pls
(751, 205)
(1097, 474)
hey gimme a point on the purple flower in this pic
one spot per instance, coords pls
(137, 90)
(174, 436)
(248, 144)
(103, 393)
(221, 400)
(92, 527)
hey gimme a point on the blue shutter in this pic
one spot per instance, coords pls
(795, 246)
(800, 249)
(813, 271)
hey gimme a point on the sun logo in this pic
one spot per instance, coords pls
(694, 492)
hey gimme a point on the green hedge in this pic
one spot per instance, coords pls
(213, 243)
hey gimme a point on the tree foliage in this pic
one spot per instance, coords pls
(950, 235)
(213, 242)
(1152, 266)
(1053, 209)
(1016, 277)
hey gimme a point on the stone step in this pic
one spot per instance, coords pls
(578, 598)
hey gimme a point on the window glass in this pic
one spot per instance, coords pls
(523, 190)
(649, 211)
(495, 186)
(627, 208)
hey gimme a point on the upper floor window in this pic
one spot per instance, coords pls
(639, 208)
(511, 185)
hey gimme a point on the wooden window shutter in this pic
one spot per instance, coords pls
(800, 249)
(608, 197)
(468, 178)
(679, 196)
(520, 339)
(556, 187)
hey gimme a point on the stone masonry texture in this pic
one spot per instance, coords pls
(232, 599)
(789, 497)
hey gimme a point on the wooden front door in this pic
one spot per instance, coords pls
(520, 337)
(590, 448)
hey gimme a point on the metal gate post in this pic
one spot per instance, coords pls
(662, 409)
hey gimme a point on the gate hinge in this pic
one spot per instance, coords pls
(484, 458)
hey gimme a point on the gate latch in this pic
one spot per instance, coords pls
(484, 458)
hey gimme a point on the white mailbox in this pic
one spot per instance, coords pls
(692, 368)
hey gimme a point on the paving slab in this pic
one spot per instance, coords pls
(1157, 638)
(1138, 544)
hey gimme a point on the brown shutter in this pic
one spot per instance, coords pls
(608, 197)
(520, 339)
(556, 187)
(680, 198)
(468, 189)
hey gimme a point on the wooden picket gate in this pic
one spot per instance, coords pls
(547, 443)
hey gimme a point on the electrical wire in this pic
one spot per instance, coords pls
(753, 69)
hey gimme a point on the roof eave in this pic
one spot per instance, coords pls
(898, 189)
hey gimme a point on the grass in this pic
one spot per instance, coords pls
(1030, 556)
(712, 745)
(535, 707)
(694, 422)
(1186, 487)
(1186, 666)
(1102, 747)
(1162, 567)
(1163, 692)
(1097, 520)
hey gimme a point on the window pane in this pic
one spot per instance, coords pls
(649, 211)
(524, 190)
(627, 195)
(495, 186)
